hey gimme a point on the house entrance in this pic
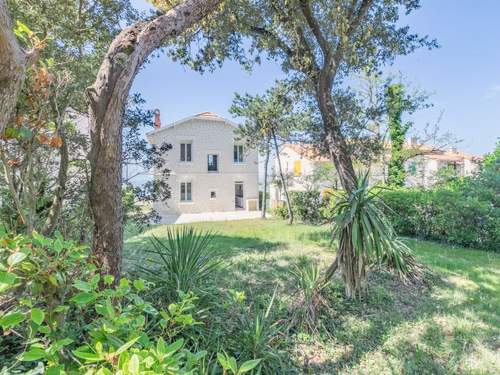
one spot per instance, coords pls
(238, 195)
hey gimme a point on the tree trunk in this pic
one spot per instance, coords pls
(264, 197)
(107, 98)
(282, 177)
(348, 259)
(13, 62)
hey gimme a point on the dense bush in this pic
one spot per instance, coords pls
(308, 207)
(461, 211)
(59, 316)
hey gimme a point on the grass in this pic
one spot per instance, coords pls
(448, 326)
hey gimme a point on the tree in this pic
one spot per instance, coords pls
(67, 48)
(13, 63)
(139, 158)
(107, 97)
(320, 44)
(255, 133)
(270, 118)
(398, 103)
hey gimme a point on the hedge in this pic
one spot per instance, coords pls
(447, 215)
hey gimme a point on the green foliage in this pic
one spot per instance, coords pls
(185, 258)
(70, 320)
(308, 206)
(230, 366)
(362, 228)
(397, 134)
(461, 211)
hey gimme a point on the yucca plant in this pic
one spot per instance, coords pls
(183, 261)
(366, 237)
(304, 314)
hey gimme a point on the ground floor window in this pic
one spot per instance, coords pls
(186, 192)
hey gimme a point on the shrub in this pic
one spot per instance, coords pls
(185, 260)
(58, 315)
(281, 212)
(308, 207)
(445, 215)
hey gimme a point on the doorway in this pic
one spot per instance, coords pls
(238, 196)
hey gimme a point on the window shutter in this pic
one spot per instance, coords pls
(297, 168)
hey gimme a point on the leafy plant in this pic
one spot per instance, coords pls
(230, 366)
(309, 285)
(366, 237)
(185, 260)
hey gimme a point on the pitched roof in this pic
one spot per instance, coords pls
(310, 152)
(206, 116)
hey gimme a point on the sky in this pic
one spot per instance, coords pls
(462, 76)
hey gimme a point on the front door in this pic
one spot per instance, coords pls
(238, 195)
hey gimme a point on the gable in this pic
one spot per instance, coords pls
(208, 119)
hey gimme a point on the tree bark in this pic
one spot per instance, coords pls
(282, 177)
(13, 62)
(107, 98)
(264, 197)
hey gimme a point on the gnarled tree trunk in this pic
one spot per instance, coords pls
(107, 98)
(13, 62)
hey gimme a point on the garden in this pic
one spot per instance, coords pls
(357, 278)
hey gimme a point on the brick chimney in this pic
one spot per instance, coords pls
(157, 119)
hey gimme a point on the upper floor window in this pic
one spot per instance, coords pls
(212, 163)
(186, 152)
(186, 192)
(238, 154)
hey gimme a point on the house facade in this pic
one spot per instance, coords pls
(307, 169)
(211, 169)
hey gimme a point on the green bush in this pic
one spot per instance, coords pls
(459, 210)
(445, 215)
(59, 316)
(307, 206)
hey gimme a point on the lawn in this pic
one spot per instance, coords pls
(449, 325)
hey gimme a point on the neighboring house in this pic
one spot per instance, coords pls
(307, 169)
(211, 170)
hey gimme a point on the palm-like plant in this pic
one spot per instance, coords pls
(366, 237)
(184, 258)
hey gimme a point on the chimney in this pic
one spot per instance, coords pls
(157, 119)
(413, 141)
(453, 149)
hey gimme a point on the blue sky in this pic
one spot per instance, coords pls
(463, 76)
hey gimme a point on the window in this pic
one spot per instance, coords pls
(212, 163)
(297, 168)
(186, 192)
(186, 152)
(238, 154)
(213, 194)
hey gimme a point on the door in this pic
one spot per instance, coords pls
(238, 195)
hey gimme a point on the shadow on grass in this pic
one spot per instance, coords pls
(422, 329)
(411, 329)
(136, 248)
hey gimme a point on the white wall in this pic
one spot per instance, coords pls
(207, 137)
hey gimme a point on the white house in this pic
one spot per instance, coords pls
(211, 170)
(308, 169)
